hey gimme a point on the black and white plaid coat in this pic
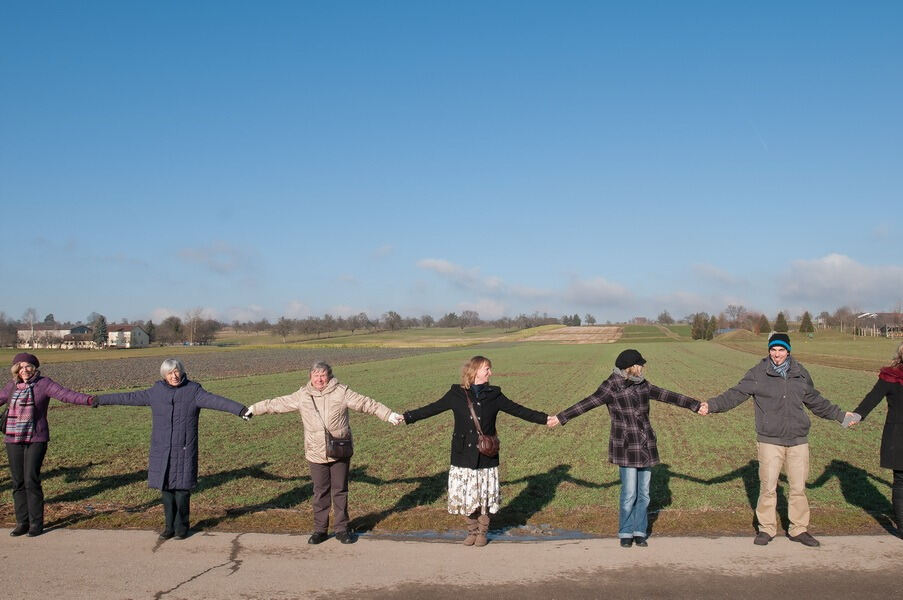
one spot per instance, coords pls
(632, 441)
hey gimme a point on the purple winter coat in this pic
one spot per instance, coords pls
(173, 460)
(44, 389)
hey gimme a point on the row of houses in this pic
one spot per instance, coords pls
(82, 336)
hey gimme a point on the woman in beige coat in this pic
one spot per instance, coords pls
(323, 403)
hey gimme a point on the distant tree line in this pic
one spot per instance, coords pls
(703, 325)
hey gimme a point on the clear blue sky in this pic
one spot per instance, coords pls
(299, 158)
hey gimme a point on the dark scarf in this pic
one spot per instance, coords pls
(20, 419)
(891, 374)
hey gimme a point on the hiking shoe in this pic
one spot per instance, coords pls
(21, 529)
(626, 542)
(167, 534)
(762, 539)
(318, 537)
(346, 537)
(639, 540)
(805, 539)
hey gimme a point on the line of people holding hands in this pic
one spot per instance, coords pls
(780, 386)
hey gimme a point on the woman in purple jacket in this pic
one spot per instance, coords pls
(27, 434)
(172, 465)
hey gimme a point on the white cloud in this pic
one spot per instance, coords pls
(486, 307)
(244, 314)
(835, 280)
(470, 279)
(716, 275)
(598, 292)
(342, 310)
(297, 310)
(162, 313)
(204, 312)
(459, 276)
(220, 257)
(383, 251)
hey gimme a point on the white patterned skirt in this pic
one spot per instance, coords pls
(470, 490)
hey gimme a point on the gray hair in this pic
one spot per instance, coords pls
(322, 366)
(171, 364)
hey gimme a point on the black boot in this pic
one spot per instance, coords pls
(898, 511)
(169, 514)
(20, 529)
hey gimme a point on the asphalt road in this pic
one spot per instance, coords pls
(71, 564)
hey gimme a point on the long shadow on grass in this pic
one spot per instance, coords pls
(428, 490)
(91, 486)
(540, 491)
(749, 475)
(289, 499)
(858, 490)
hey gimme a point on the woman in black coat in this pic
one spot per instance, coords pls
(473, 478)
(172, 465)
(890, 386)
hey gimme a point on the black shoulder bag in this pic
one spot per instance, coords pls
(335, 447)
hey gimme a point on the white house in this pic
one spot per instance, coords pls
(42, 336)
(126, 336)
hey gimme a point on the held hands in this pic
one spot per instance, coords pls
(850, 419)
(396, 419)
(552, 421)
(246, 414)
(703, 408)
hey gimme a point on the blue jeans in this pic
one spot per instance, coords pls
(632, 517)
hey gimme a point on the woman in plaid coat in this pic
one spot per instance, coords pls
(631, 444)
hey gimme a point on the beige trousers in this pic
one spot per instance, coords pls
(795, 462)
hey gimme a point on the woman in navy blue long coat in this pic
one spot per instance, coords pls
(172, 465)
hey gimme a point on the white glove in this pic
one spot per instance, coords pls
(248, 414)
(396, 419)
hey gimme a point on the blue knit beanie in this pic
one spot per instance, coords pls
(779, 339)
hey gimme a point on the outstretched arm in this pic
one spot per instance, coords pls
(138, 398)
(598, 398)
(441, 405)
(879, 391)
(522, 412)
(735, 396)
(205, 399)
(669, 397)
(55, 390)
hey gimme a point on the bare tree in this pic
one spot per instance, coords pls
(735, 314)
(283, 327)
(469, 318)
(29, 317)
(392, 320)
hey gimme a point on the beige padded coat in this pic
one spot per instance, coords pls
(332, 403)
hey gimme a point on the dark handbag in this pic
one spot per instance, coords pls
(487, 445)
(338, 447)
(335, 447)
(3, 417)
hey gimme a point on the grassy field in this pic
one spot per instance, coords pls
(253, 475)
(827, 346)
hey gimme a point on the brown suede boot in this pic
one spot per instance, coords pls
(483, 529)
(472, 528)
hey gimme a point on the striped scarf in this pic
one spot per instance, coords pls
(782, 368)
(20, 419)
